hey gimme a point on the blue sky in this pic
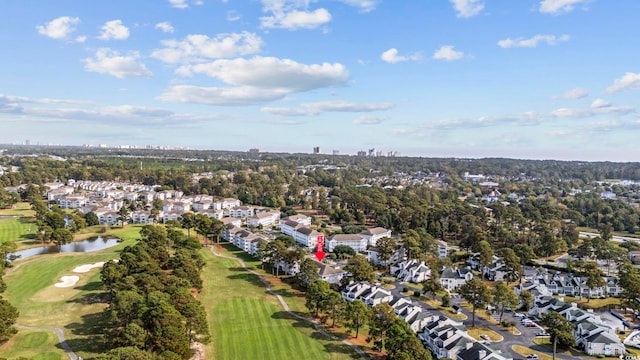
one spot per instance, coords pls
(535, 79)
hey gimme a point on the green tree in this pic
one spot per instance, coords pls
(360, 269)
(485, 256)
(317, 293)
(308, 272)
(476, 292)
(525, 253)
(382, 318)
(358, 314)
(504, 297)
(402, 343)
(188, 221)
(8, 316)
(526, 298)
(386, 247)
(431, 286)
(336, 306)
(61, 236)
(560, 329)
(91, 219)
(123, 215)
(343, 251)
(511, 264)
(594, 277)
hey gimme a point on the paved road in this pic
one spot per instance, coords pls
(613, 238)
(58, 333)
(285, 306)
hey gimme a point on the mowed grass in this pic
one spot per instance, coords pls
(248, 323)
(76, 310)
(17, 229)
(33, 344)
(19, 209)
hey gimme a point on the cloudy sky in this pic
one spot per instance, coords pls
(538, 79)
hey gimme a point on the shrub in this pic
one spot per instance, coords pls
(416, 293)
(405, 289)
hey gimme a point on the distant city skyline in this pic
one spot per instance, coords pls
(530, 79)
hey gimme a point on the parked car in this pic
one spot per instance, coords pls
(542, 333)
(531, 324)
(526, 320)
(533, 356)
(519, 315)
(485, 337)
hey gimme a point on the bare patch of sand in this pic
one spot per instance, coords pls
(86, 267)
(198, 349)
(67, 281)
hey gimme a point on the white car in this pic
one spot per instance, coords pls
(519, 315)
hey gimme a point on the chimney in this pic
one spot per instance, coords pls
(469, 345)
(482, 354)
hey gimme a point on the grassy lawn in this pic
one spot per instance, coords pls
(33, 344)
(475, 332)
(593, 303)
(524, 351)
(19, 209)
(76, 310)
(248, 323)
(19, 229)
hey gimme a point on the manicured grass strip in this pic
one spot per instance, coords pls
(17, 229)
(252, 332)
(33, 345)
(19, 209)
(248, 323)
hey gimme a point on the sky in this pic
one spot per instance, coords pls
(530, 79)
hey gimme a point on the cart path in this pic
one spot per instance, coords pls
(60, 335)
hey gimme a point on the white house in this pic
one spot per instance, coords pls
(330, 274)
(452, 279)
(264, 218)
(373, 235)
(354, 241)
(411, 271)
(241, 211)
(443, 249)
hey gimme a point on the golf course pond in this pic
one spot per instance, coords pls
(87, 245)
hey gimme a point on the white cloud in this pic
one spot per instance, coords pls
(317, 108)
(533, 41)
(600, 103)
(81, 38)
(363, 5)
(575, 93)
(179, 4)
(447, 53)
(556, 7)
(233, 15)
(107, 61)
(59, 28)
(165, 27)
(197, 47)
(391, 56)
(467, 8)
(292, 15)
(369, 120)
(296, 19)
(627, 81)
(271, 72)
(114, 30)
(79, 110)
(593, 111)
(234, 96)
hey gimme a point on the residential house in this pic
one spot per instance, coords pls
(453, 278)
(240, 212)
(264, 218)
(373, 235)
(411, 271)
(330, 274)
(443, 249)
(354, 241)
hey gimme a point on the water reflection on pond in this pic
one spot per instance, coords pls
(88, 245)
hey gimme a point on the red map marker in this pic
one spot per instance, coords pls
(319, 246)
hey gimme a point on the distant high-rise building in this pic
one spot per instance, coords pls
(316, 150)
(362, 153)
(254, 150)
(336, 152)
(372, 152)
(27, 142)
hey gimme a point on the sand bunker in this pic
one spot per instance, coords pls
(67, 281)
(85, 268)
